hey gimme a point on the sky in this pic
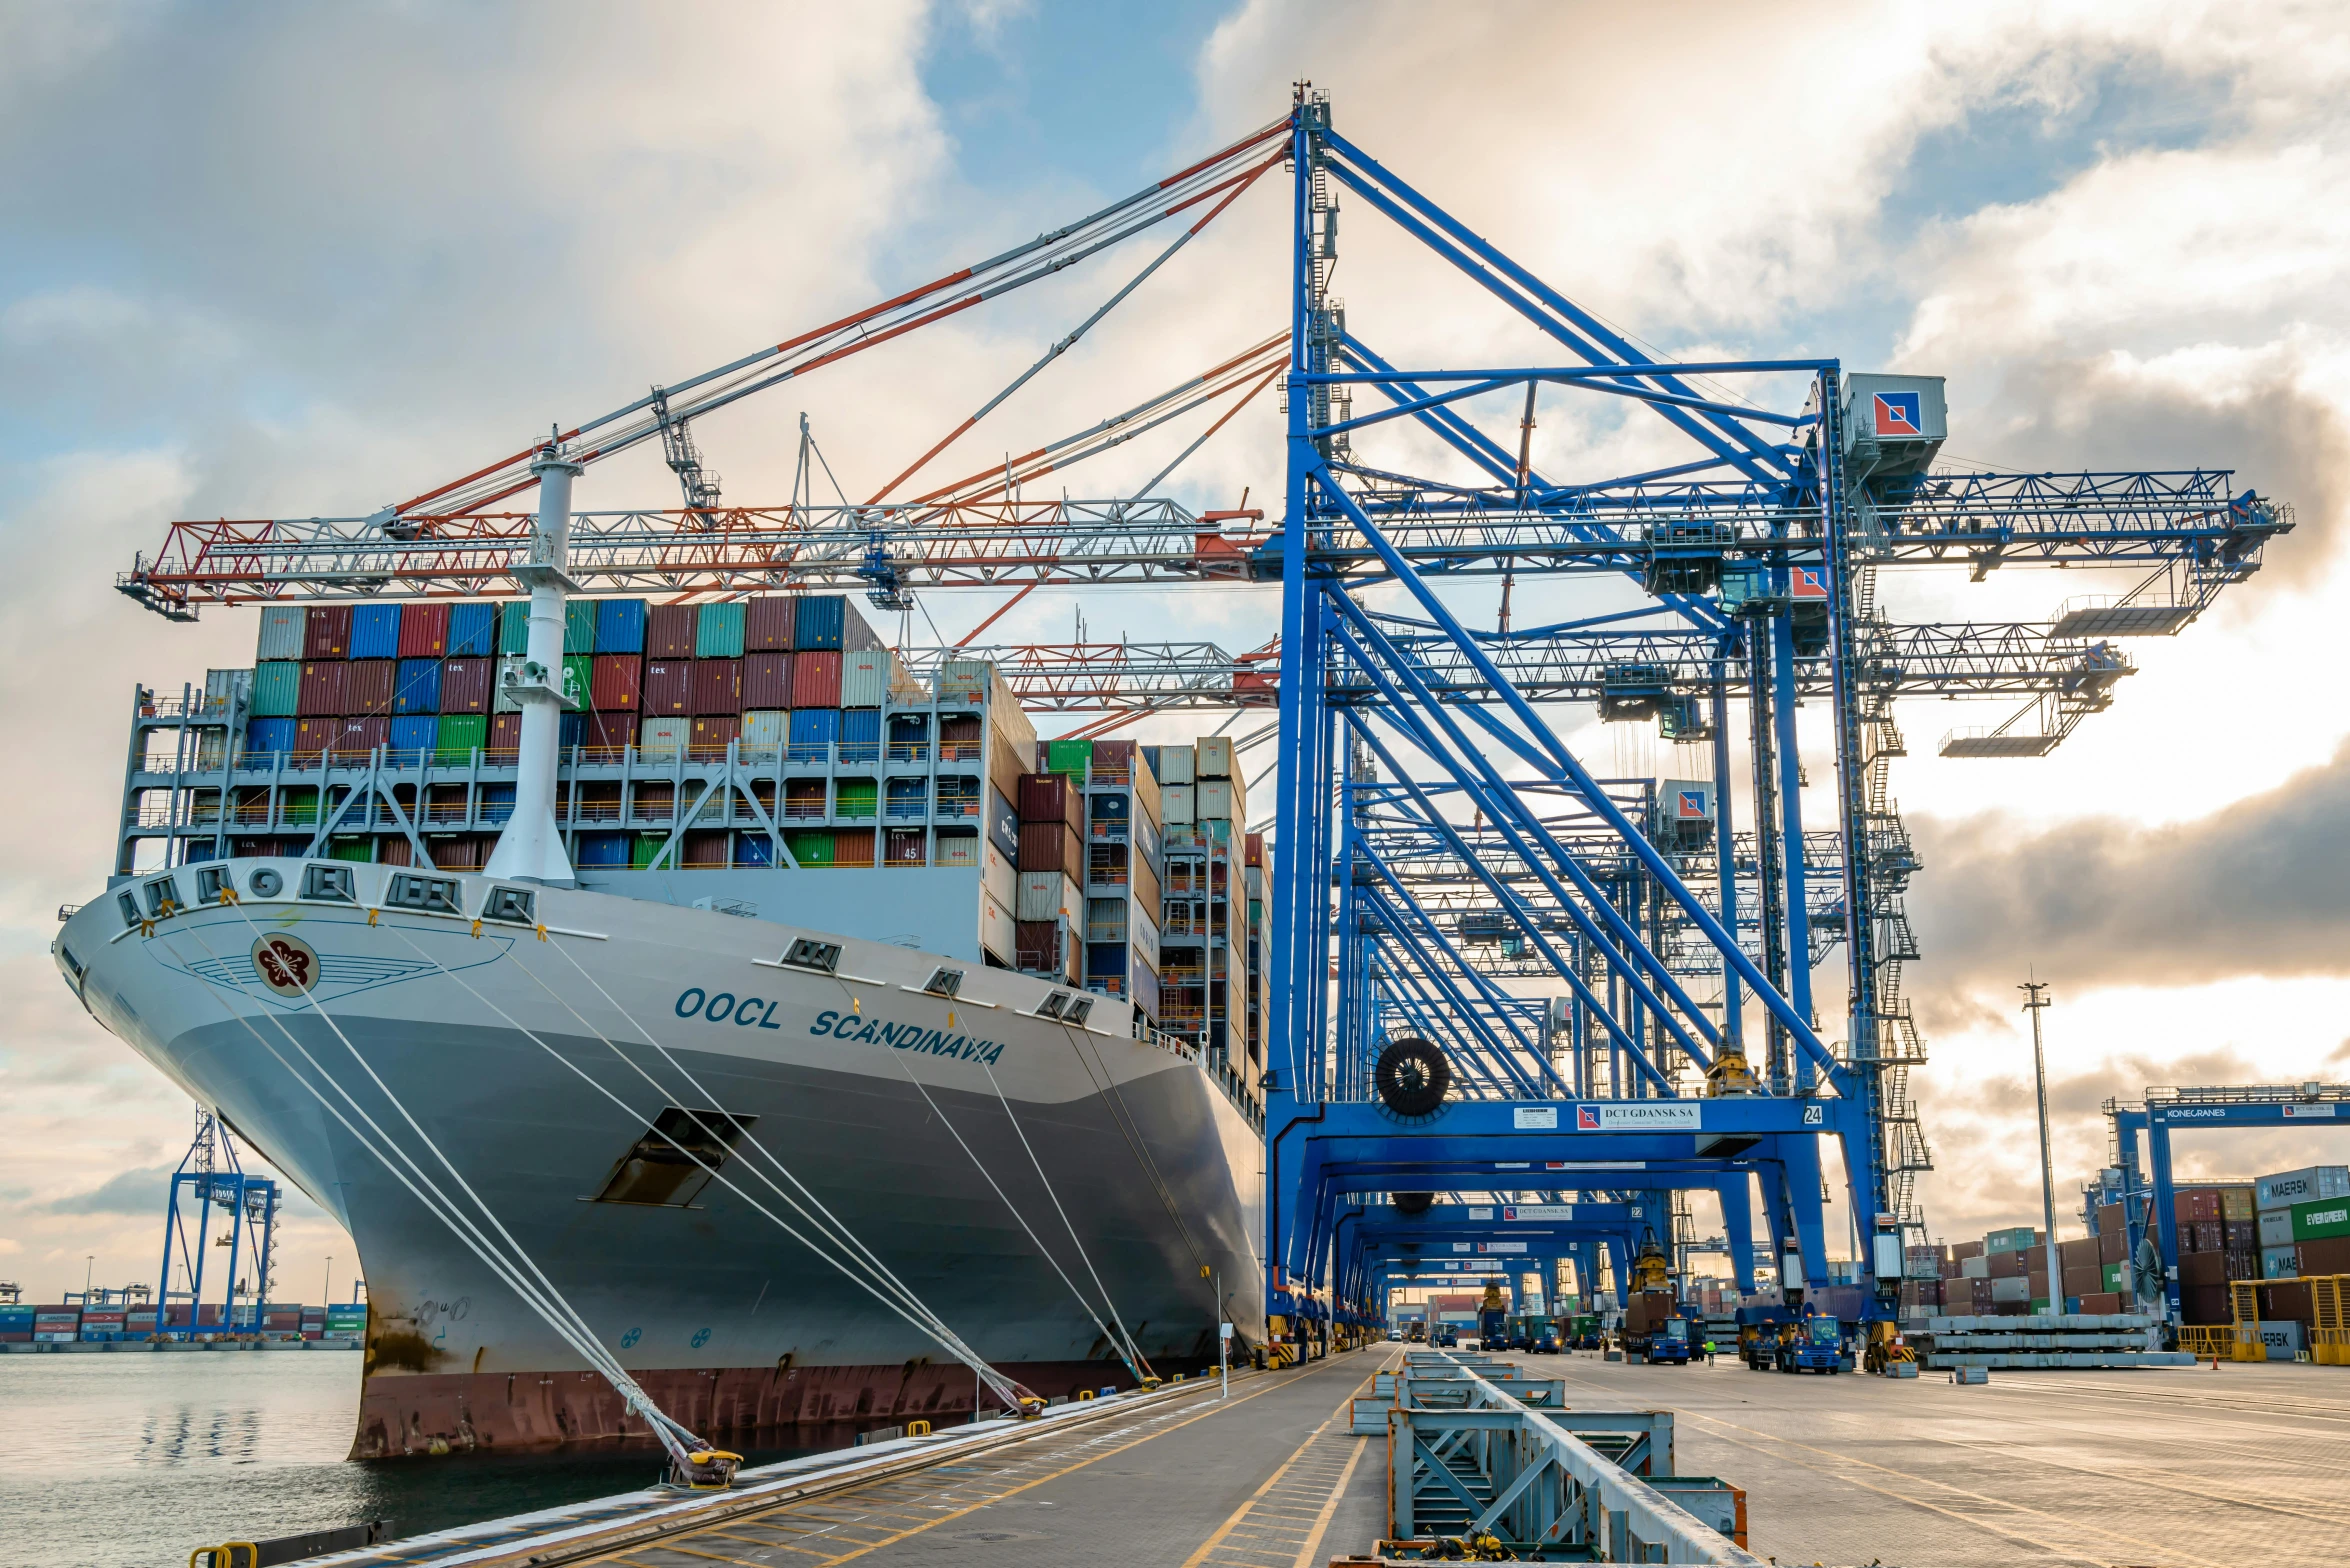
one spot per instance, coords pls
(288, 261)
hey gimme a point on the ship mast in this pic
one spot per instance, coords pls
(531, 847)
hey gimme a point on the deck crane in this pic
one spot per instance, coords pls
(1419, 768)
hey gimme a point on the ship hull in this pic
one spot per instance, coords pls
(980, 1152)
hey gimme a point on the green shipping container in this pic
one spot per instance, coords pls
(646, 848)
(855, 798)
(579, 629)
(2321, 1219)
(361, 849)
(1068, 756)
(458, 736)
(2117, 1277)
(514, 626)
(298, 805)
(577, 668)
(2016, 1240)
(809, 848)
(340, 1321)
(276, 685)
(718, 631)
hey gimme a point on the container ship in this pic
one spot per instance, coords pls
(994, 1003)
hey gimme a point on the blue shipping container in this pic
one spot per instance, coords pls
(811, 725)
(415, 733)
(417, 687)
(574, 730)
(754, 849)
(1105, 960)
(860, 733)
(497, 802)
(375, 631)
(817, 626)
(602, 849)
(620, 626)
(473, 631)
(269, 735)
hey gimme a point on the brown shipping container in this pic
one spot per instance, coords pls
(616, 682)
(2208, 1236)
(391, 849)
(466, 685)
(1966, 1249)
(2239, 1233)
(815, 680)
(462, 851)
(1006, 766)
(766, 679)
(424, 631)
(315, 735)
(2206, 1304)
(2101, 1303)
(1052, 846)
(2007, 1265)
(852, 847)
(1050, 797)
(703, 848)
(2193, 1204)
(2280, 1302)
(367, 686)
(2326, 1255)
(505, 732)
(610, 731)
(2078, 1253)
(767, 624)
(1146, 886)
(669, 631)
(2085, 1281)
(2113, 1246)
(668, 687)
(1037, 945)
(2110, 1216)
(718, 686)
(326, 632)
(356, 736)
(321, 694)
(2203, 1268)
(1113, 761)
(711, 734)
(2242, 1262)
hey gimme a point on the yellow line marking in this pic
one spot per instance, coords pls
(1242, 1512)
(1305, 1553)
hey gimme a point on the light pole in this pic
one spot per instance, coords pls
(2035, 1003)
(89, 1271)
(326, 1286)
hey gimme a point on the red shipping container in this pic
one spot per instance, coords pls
(312, 736)
(1036, 944)
(706, 848)
(669, 631)
(710, 736)
(815, 680)
(467, 684)
(321, 695)
(616, 681)
(2197, 1203)
(461, 851)
(768, 623)
(718, 686)
(356, 736)
(766, 680)
(367, 686)
(905, 847)
(1113, 762)
(611, 731)
(505, 733)
(424, 631)
(1052, 846)
(1255, 849)
(1052, 797)
(852, 847)
(326, 632)
(393, 849)
(668, 687)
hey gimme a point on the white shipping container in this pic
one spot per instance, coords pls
(1215, 757)
(1143, 930)
(996, 932)
(964, 680)
(765, 729)
(2282, 1337)
(2305, 1185)
(2276, 1227)
(1049, 895)
(1176, 799)
(957, 851)
(663, 737)
(864, 677)
(999, 874)
(1175, 766)
(2011, 1287)
(282, 628)
(1105, 919)
(1212, 801)
(1976, 1267)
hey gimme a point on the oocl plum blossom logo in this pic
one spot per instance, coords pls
(286, 964)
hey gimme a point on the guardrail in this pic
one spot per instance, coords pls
(1477, 1447)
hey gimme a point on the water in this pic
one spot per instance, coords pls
(131, 1460)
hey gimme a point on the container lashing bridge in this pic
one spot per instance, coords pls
(1562, 998)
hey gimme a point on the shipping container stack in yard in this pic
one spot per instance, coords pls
(58, 1325)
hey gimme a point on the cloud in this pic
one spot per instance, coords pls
(139, 1192)
(2260, 888)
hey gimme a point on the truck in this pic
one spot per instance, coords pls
(1655, 1328)
(1493, 1318)
(1812, 1344)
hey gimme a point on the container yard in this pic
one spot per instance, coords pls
(853, 1090)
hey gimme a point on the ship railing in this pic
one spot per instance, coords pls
(909, 751)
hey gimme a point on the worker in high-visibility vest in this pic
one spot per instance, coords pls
(1709, 1352)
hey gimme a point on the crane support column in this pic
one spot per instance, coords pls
(531, 848)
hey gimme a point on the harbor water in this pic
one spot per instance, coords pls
(130, 1460)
